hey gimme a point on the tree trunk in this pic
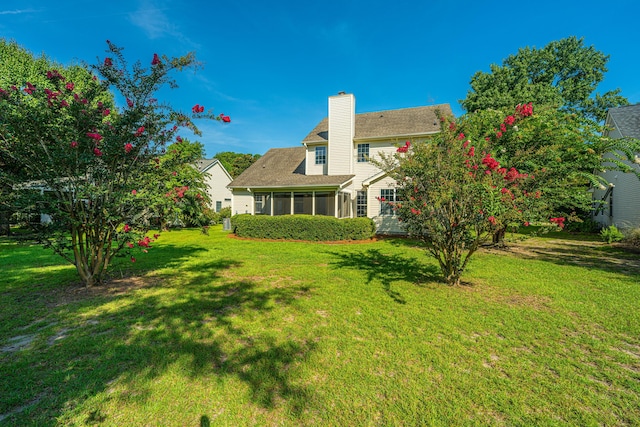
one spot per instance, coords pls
(498, 236)
(5, 226)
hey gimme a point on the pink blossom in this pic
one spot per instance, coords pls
(130, 245)
(108, 62)
(526, 223)
(74, 144)
(106, 112)
(64, 103)
(492, 220)
(129, 103)
(490, 162)
(95, 136)
(503, 127)
(461, 136)
(97, 152)
(178, 138)
(134, 192)
(70, 86)
(127, 228)
(197, 109)
(224, 118)
(30, 88)
(156, 59)
(510, 120)
(140, 131)
(133, 259)
(525, 110)
(128, 147)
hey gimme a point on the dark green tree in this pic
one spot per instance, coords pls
(236, 163)
(565, 74)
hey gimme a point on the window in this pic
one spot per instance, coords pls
(218, 205)
(361, 204)
(363, 153)
(262, 204)
(344, 205)
(388, 195)
(321, 155)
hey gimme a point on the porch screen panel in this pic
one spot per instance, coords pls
(303, 203)
(325, 203)
(282, 203)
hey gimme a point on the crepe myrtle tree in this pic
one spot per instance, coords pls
(453, 195)
(91, 165)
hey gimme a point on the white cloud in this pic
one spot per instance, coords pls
(155, 22)
(16, 12)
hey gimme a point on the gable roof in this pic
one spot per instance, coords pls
(627, 120)
(204, 164)
(388, 123)
(284, 167)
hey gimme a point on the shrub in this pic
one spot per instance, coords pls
(302, 227)
(611, 234)
(632, 237)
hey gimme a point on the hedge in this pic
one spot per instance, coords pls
(302, 227)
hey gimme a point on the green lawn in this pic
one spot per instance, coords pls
(209, 330)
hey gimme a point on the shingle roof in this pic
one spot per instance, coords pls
(388, 123)
(627, 120)
(284, 167)
(203, 164)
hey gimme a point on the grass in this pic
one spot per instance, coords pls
(208, 330)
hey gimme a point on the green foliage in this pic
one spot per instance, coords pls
(93, 166)
(632, 237)
(302, 227)
(454, 195)
(564, 74)
(611, 234)
(236, 163)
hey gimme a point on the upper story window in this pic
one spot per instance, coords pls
(363, 153)
(321, 155)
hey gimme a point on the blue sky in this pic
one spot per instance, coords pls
(270, 66)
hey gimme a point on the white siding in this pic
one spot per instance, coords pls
(385, 224)
(365, 170)
(625, 212)
(217, 181)
(626, 200)
(242, 202)
(311, 167)
(341, 133)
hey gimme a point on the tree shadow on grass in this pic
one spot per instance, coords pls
(118, 340)
(387, 269)
(577, 252)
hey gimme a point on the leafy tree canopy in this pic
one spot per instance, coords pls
(565, 74)
(236, 163)
(96, 168)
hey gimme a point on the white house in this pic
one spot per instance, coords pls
(216, 178)
(621, 197)
(332, 173)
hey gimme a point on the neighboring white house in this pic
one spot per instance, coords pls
(621, 198)
(216, 178)
(331, 173)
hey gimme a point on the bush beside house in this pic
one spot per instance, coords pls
(302, 227)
